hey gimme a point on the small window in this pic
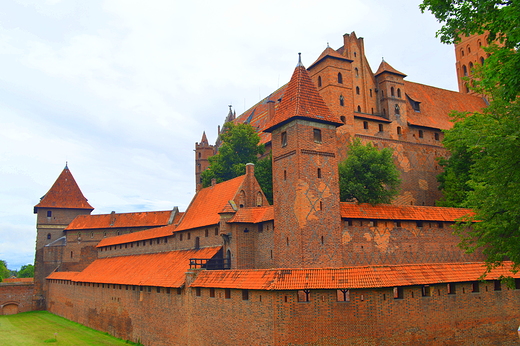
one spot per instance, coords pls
(341, 100)
(421, 134)
(245, 294)
(197, 291)
(370, 92)
(392, 91)
(343, 120)
(397, 109)
(340, 78)
(284, 139)
(419, 223)
(319, 81)
(372, 110)
(475, 287)
(197, 243)
(398, 130)
(48, 236)
(462, 52)
(470, 67)
(49, 213)
(426, 291)
(398, 293)
(373, 223)
(436, 136)
(319, 172)
(317, 135)
(482, 61)
(227, 293)
(464, 70)
(357, 90)
(497, 284)
(189, 237)
(356, 69)
(180, 237)
(380, 127)
(284, 174)
(343, 295)
(450, 288)
(469, 49)
(206, 233)
(365, 125)
(359, 109)
(216, 230)
(398, 92)
(398, 224)
(212, 293)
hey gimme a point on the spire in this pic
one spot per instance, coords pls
(301, 100)
(204, 140)
(385, 67)
(64, 193)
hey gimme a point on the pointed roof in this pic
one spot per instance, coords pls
(385, 67)
(329, 53)
(204, 140)
(65, 193)
(302, 100)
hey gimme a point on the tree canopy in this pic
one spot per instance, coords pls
(368, 174)
(4, 272)
(501, 20)
(240, 145)
(26, 271)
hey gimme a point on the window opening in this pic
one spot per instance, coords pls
(398, 130)
(227, 293)
(475, 287)
(398, 293)
(436, 136)
(317, 135)
(356, 69)
(359, 109)
(245, 294)
(426, 291)
(49, 213)
(450, 287)
(365, 125)
(343, 120)
(284, 139)
(380, 127)
(398, 92)
(397, 109)
(341, 100)
(197, 243)
(340, 78)
(319, 172)
(48, 236)
(319, 81)
(497, 285)
(392, 91)
(357, 90)
(212, 292)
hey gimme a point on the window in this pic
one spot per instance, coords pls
(421, 134)
(497, 285)
(357, 90)
(470, 67)
(343, 295)
(212, 293)
(475, 287)
(304, 296)
(397, 109)
(419, 223)
(398, 293)
(206, 233)
(319, 172)
(227, 293)
(464, 70)
(398, 130)
(49, 213)
(359, 109)
(450, 288)
(365, 125)
(469, 49)
(216, 230)
(357, 71)
(284, 174)
(340, 78)
(245, 294)
(197, 292)
(189, 237)
(319, 81)
(392, 91)
(380, 127)
(48, 236)
(416, 105)
(317, 135)
(436, 136)
(462, 52)
(398, 92)
(482, 61)
(341, 100)
(370, 92)
(284, 139)
(426, 291)
(343, 120)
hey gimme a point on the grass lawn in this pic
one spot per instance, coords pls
(39, 328)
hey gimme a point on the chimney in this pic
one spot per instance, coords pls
(112, 218)
(250, 169)
(213, 182)
(270, 110)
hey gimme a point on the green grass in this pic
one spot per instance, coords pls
(44, 328)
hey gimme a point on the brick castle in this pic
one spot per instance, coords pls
(307, 270)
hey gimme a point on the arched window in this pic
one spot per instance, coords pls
(200, 155)
(470, 67)
(464, 70)
(392, 91)
(259, 199)
(357, 72)
(397, 109)
(482, 60)
(479, 43)
(341, 100)
(319, 81)
(357, 90)
(359, 109)
(462, 52)
(340, 78)
(469, 49)
(398, 92)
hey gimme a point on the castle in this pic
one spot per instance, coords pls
(233, 270)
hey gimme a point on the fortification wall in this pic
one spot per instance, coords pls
(16, 298)
(231, 317)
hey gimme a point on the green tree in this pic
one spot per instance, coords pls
(368, 175)
(4, 272)
(264, 176)
(26, 271)
(501, 19)
(240, 145)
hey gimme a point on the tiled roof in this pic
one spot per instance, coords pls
(253, 215)
(394, 212)
(137, 236)
(208, 202)
(301, 100)
(371, 117)
(64, 193)
(164, 269)
(385, 67)
(436, 104)
(120, 220)
(349, 278)
(329, 52)
(63, 275)
(18, 280)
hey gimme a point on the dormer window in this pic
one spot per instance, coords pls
(416, 105)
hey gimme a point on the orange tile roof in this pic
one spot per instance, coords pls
(330, 53)
(120, 220)
(18, 280)
(371, 117)
(208, 202)
(64, 193)
(164, 269)
(385, 67)
(398, 212)
(349, 278)
(253, 215)
(137, 236)
(301, 100)
(63, 275)
(436, 104)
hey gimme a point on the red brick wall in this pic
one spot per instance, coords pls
(16, 298)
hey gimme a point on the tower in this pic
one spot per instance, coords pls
(391, 94)
(468, 53)
(203, 151)
(57, 208)
(305, 177)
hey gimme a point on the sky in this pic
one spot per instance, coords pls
(121, 90)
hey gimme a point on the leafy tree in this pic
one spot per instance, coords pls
(4, 272)
(368, 175)
(501, 19)
(264, 176)
(240, 145)
(26, 271)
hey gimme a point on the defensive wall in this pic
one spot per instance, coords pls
(16, 297)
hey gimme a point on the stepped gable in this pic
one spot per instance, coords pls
(301, 100)
(205, 207)
(434, 104)
(385, 67)
(329, 53)
(120, 220)
(164, 269)
(352, 277)
(64, 193)
(402, 212)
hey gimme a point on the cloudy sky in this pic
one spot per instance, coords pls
(121, 89)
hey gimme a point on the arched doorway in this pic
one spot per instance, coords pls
(10, 309)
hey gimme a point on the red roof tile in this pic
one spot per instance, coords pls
(63, 275)
(208, 202)
(253, 215)
(397, 212)
(349, 278)
(329, 53)
(301, 99)
(164, 269)
(436, 104)
(385, 67)
(18, 280)
(64, 193)
(120, 220)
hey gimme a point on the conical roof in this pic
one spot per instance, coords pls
(64, 193)
(204, 140)
(301, 100)
(385, 67)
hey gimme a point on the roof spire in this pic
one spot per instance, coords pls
(66, 165)
(299, 60)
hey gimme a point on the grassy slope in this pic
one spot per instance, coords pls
(38, 328)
